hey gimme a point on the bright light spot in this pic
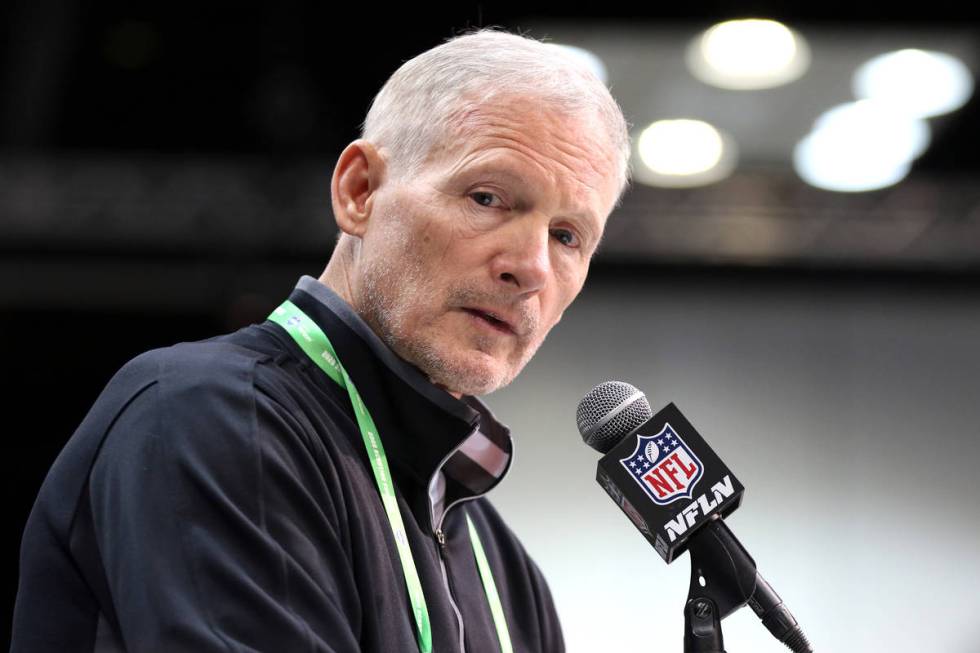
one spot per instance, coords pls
(825, 163)
(748, 54)
(859, 147)
(918, 82)
(894, 135)
(683, 153)
(587, 59)
(680, 147)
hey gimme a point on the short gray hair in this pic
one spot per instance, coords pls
(413, 111)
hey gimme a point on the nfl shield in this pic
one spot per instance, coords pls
(664, 466)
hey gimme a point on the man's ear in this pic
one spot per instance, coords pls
(359, 173)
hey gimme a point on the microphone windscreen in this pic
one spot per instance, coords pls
(609, 412)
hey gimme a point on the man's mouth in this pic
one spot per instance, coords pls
(491, 318)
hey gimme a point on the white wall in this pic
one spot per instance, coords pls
(850, 412)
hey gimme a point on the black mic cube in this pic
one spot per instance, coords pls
(668, 481)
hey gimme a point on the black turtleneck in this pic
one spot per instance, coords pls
(217, 497)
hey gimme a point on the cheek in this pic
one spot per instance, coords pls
(569, 281)
(567, 291)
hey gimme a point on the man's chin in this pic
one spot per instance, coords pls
(462, 371)
(474, 374)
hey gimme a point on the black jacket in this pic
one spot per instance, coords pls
(218, 497)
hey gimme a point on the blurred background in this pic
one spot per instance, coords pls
(797, 266)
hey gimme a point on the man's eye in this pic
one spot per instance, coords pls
(565, 237)
(484, 198)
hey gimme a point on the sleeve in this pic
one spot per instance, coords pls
(551, 632)
(211, 528)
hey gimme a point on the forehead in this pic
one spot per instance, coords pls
(518, 136)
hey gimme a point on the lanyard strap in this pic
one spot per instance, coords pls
(314, 342)
(496, 609)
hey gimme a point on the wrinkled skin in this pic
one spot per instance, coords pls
(499, 224)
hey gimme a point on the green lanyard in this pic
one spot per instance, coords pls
(314, 342)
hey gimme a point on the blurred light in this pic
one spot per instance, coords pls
(587, 59)
(918, 82)
(823, 162)
(748, 54)
(680, 147)
(860, 146)
(895, 134)
(682, 153)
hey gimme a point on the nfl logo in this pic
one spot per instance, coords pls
(664, 466)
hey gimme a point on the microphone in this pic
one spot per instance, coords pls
(676, 491)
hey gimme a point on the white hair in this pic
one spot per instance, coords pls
(414, 111)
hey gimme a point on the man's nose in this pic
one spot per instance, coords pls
(524, 259)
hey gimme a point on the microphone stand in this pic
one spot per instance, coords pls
(723, 579)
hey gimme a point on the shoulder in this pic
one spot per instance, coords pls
(196, 365)
(193, 399)
(144, 402)
(209, 426)
(220, 401)
(211, 377)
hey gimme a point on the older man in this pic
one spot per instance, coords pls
(315, 483)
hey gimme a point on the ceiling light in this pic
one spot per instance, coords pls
(683, 152)
(894, 134)
(860, 146)
(920, 82)
(748, 54)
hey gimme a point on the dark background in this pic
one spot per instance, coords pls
(263, 89)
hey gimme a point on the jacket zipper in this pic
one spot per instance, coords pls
(440, 538)
(441, 545)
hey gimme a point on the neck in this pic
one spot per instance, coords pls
(337, 277)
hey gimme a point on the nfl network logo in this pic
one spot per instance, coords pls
(664, 466)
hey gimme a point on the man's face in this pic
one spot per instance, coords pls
(466, 266)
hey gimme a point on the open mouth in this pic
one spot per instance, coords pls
(490, 319)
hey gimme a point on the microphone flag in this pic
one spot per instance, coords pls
(668, 481)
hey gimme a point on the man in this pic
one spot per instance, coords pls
(315, 482)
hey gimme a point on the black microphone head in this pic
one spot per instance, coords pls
(611, 411)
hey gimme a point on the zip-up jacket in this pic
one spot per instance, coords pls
(218, 497)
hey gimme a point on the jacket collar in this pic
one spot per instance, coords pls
(424, 429)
